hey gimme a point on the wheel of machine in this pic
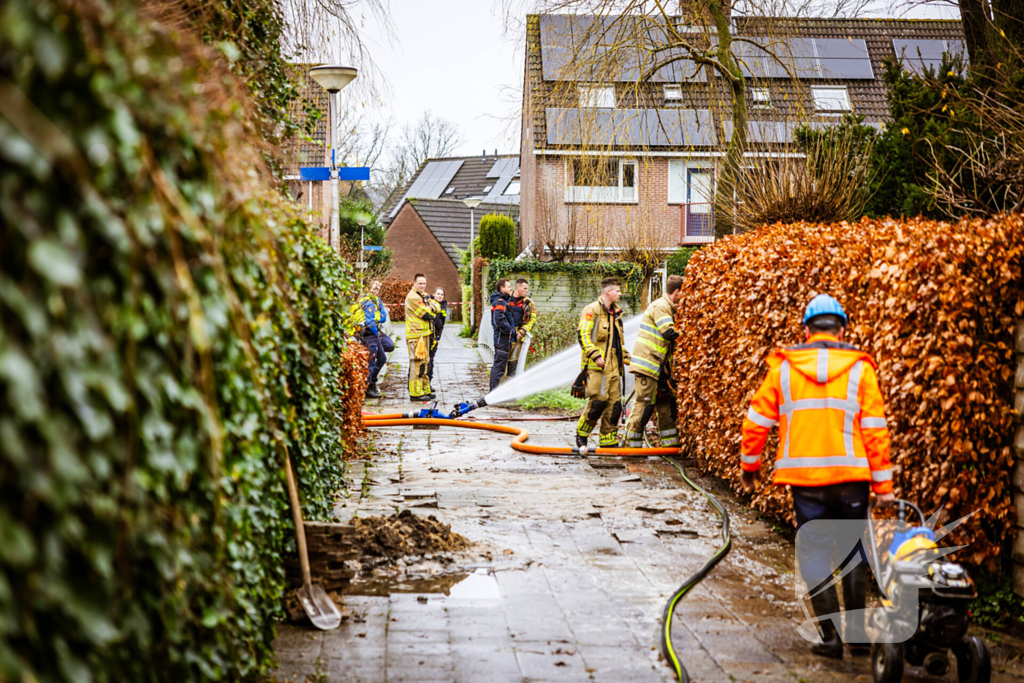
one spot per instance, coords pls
(887, 662)
(973, 663)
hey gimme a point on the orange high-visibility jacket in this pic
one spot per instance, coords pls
(824, 397)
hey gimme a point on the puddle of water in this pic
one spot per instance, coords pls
(477, 586)
(458, 586)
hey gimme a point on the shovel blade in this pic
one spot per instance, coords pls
(320, 609)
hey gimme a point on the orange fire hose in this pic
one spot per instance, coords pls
(518, 442)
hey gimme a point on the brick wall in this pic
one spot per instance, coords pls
(414, 250)
(544, 210)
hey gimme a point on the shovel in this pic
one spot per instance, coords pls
(320, 609)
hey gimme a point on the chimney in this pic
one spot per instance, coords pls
(483, 156)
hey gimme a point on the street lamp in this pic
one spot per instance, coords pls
(362, 220)
(333, 78)
(472, 203)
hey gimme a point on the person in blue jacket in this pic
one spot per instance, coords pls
(374, 315)
(504, 330)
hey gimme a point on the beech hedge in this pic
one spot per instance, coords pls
(168, 326)
(934, 303)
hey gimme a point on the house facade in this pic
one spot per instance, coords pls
(612, 161)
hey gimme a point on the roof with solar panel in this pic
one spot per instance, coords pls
(494, 178)
(604, 81)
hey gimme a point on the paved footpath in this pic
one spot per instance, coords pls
(582, 557)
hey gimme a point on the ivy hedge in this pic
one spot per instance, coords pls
(168, 329)
(631, 274)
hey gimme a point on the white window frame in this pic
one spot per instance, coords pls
(684, 165)
(827, 99)
(508, 188)
(597, 96)
(677, 94)
(594, 194)
(761, 97)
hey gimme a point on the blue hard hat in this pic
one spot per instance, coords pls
(823, 304)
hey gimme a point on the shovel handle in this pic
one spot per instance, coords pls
(300, 527)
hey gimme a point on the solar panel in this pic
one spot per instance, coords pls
(918, 55)
(431, 181)
(630, 127)
(805, 58)
(764, 132)
(504, 167)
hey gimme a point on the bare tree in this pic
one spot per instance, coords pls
(429, 137)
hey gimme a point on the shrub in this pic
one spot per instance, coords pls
(934, 303)
(678, 260)
(497, 237)
(168, 328)
(393, 292)
(553, 332)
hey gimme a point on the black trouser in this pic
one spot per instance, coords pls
(377, 357)
(433, 352)
(502, 348)
(822, 551)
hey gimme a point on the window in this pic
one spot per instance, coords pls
(597, 96)
(488, 189)
(513, 188)
(450, 190)
(602, 180)
(830, 98)
(673, 94)
(690, 183)
(761, 98)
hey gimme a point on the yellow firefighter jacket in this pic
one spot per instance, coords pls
(420, 309)
(595, 334)
(652, 351)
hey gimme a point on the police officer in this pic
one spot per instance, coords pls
(371, 315)
(651, 363)
(601, 340)
(833, 450)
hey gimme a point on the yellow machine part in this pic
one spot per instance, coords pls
(913, 545)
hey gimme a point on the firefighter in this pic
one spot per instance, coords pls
(504, 331)
(420, 310)
(651, 363)
(833, 451)
(524, 315)
(603, 355)
(437, 329)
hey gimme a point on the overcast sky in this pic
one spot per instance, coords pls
(452, 57)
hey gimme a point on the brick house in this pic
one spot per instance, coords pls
(609, 163)
(425, 219)
(424, 234)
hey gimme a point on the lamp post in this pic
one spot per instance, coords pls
(362, 220)
(472, 203)
(333, 78)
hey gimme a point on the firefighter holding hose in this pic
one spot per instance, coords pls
(601, 339)
(833, 451)
(651, 363)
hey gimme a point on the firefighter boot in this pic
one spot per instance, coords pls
(825, 605)
(581, 444)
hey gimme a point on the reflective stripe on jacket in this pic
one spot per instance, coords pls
(418, 314)
(523, 313)
(825, 399)
(595, 333)
(652, 351)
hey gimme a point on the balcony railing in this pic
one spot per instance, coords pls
(697, 223)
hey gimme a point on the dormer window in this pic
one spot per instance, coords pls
(761, 98)
(597, 97)
(831, 99)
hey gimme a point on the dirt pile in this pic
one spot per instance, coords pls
(405, 534)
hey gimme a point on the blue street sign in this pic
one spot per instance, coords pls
(315, 173)
(354, 173)
(344, 173)
(369, 248)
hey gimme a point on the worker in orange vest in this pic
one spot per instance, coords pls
(833, 443)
